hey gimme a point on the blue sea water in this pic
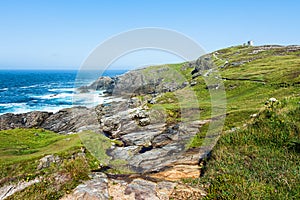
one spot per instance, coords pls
(30, 90)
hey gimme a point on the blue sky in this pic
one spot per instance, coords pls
(60, 34)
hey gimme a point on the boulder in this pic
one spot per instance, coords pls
(46, 161)
(140, 114)
(94, 189)
(144, 121)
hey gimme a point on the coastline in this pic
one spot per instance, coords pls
(24, 91)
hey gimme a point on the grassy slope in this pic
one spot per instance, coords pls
(271, 73)
(20, 151)
(259, 161)
(262, 160)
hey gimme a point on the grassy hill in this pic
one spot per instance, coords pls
(259, 158)
(256, 157)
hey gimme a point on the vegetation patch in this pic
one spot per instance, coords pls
(260, 161)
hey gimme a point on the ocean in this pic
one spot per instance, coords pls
(47, 90)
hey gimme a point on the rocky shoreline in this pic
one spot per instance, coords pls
(148, 144)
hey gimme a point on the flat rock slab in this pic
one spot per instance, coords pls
(103, 188)
(9, 190)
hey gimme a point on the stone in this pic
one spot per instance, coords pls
(134, 102)
(195, 75)
(144, 122)
(152, 101)
(272, 99)
(94, 189)
(132, 188)
(142, 189)
(193, 83)
(110, 124)
(178, 172)
(46, 161)
(25, 120)
(140, 114)
(8, 190)
(140, 138)
(187, 192)
(254, 115)
(123, 153)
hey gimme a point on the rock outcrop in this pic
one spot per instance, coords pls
(148, 145)
(46, 161)
(8, 190)
(68, 120)
(102, 187)
(102, 83)
(141, 81)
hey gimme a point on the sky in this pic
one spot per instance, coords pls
(60, 34)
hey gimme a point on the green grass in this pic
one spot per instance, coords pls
(97, 144)
(260, 161)
(20, 152)
(19, 142)
(59, 181)
(21, 149)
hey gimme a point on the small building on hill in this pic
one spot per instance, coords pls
(250, 43)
